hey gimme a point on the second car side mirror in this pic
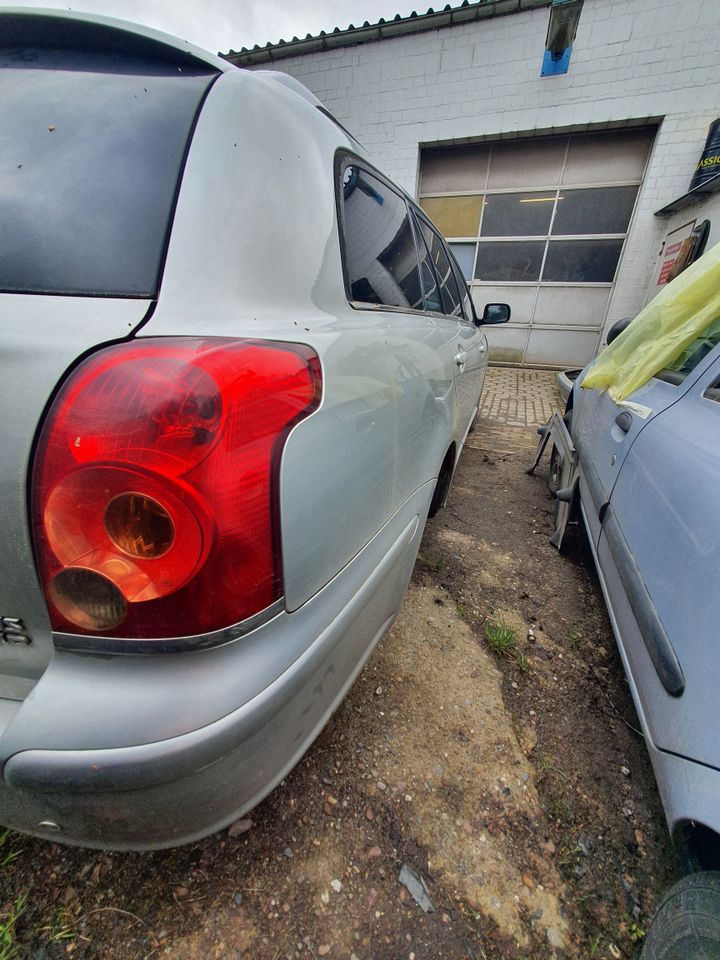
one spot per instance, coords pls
(617, 328)
(496, 313)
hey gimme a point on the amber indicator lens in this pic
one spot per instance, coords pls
(87, 599)
(139, 526)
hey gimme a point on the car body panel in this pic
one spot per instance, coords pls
(108, 740)
(607, 445)
(151, 698)
(664, 501)
(656, 544)
(188, 784)
(603, 446)
(389, 383)
(688, 790)
(469, 355)
(384, 422)
(42, 337)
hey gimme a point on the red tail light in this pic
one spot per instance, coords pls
(155, 497)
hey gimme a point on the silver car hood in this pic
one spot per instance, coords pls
(41, 338)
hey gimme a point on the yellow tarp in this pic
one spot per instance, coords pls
(662, 331)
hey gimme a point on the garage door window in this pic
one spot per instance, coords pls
(601, 210)
(517, 214)
(582, 261)
(519, 262)
(538, 221)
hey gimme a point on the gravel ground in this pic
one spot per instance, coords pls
(507, 788)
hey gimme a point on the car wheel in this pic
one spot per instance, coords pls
(555, 474)
(556, 465)
(687, 925)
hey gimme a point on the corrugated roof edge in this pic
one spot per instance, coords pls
(382, 30)
(47, 27)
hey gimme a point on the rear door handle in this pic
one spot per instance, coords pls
(624, 420)
(460, 358)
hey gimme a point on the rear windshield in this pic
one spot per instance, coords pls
(91, 153)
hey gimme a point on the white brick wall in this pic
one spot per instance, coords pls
(632, 59)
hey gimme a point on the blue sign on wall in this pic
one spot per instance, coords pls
(562, 28)
(553, 64)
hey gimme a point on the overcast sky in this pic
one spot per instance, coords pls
(219, 25)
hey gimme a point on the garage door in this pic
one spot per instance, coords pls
(539, 224)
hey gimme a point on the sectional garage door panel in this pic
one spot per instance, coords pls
(557, 306)
(540, 224)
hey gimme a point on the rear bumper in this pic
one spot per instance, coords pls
(172, 791)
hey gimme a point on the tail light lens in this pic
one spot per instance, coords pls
(155, 486)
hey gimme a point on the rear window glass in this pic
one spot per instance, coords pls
(380, 254)
(90, 159)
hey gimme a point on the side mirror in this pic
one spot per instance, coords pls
(496, 313)
(617, 328)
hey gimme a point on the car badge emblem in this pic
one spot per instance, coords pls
(13, 631)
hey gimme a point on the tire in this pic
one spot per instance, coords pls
(687, 925)
(555, 473)
(443, 483)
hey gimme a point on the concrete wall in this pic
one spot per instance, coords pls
(632, 59)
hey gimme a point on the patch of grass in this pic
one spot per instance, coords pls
(636, 933)
(499, 636)
(566, 856)
(594, 945)
(522, 661)
(545, 765)
(435, 562)
(558, 806)
(575, 640)
(8, 853)
(9, 946)
(461, 609)
(61, 926)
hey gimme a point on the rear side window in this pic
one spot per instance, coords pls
(380, 254)
(91, 153)
(443, 270)
(462, 286)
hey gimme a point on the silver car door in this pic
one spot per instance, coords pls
(659, 553)
(463, 337)
(472, 339)
(604, 431)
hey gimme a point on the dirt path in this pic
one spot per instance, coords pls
(512, 783)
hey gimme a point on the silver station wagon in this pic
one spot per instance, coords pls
(237, 368)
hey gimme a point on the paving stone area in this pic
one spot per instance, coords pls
(514, 402)
(519, 397)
